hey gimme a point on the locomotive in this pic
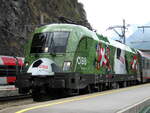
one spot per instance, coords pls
(69, 59)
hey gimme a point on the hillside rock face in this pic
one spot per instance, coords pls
(18, 18)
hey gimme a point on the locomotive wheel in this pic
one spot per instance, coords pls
(115, 85)
(85, 90)
(37, 95)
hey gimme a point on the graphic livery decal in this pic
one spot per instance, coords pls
(134, 63)
(102, 57)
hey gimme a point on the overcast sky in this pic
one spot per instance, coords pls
(104, 13)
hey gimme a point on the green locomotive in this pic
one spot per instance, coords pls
(71, 58)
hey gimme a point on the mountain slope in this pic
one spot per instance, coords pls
(18, 18)
(140, 39)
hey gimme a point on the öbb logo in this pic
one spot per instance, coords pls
(81, 60)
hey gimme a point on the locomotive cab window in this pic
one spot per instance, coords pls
(50, 42)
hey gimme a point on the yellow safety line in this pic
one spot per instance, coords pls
(80, 98)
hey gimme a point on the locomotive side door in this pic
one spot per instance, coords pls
(81, 63)
(81, 54)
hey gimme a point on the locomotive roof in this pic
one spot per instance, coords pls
(82, 31)
(122, 46)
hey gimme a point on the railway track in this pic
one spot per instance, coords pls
(10, 101)
(13, 98)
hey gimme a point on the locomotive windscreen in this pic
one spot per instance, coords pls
(49, 42)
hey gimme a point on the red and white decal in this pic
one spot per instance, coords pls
(102, 57)
(134, 63)
(43, 66)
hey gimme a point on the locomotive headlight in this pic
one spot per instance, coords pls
(66, 66)
(46, 49)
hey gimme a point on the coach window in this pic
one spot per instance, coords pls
(50, 42)
(60, 41)
(148, 63)
(143, 62)
(39, 42)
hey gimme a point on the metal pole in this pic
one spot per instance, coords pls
(123, 33)
(123, 30)
(41, 19)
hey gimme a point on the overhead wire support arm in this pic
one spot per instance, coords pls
(142, 41)
(143, 27)
(123, 28)
(120, 35)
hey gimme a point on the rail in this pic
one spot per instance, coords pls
(12, 98)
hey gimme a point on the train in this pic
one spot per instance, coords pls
(9, 68)
(71, 59)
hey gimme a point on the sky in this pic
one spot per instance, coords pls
(105, 13)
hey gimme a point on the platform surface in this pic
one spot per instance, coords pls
(112, 101)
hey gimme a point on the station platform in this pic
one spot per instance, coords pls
(124, 100)
(8, 90)
(134, 99)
